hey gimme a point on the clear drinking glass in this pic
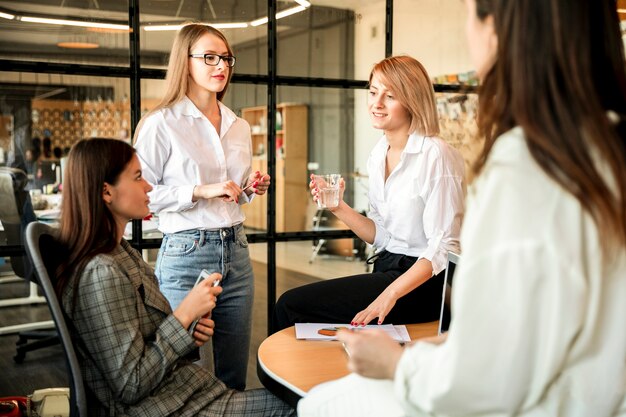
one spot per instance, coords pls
(328, 185)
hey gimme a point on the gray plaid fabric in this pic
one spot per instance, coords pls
(133, 364)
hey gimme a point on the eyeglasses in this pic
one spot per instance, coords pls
(214, 59)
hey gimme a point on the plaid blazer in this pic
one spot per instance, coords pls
(133, 364)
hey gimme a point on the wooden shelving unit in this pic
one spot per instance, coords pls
(291, 180)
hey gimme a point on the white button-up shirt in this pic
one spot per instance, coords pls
(419, 209)
(179, 148)
(538, 326)
(538, 313)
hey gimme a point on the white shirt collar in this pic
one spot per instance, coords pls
(186, 107)
(414, 145)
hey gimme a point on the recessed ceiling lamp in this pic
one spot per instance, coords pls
(7, 16)
(78, 45)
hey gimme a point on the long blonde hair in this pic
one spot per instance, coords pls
(177, 78)
(411, 86)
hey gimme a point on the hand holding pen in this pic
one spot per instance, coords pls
(258, 182)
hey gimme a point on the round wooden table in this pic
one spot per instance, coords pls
(290, 367)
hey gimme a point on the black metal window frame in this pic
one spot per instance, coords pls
(134, 73)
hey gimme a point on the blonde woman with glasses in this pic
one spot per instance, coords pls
(416, 189)
(197, 155)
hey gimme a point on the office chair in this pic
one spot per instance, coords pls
(44, 254)
(15, 212)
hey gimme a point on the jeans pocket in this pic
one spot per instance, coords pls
(242, 239)
(180, 246)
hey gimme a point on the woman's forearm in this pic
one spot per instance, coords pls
(362, 226)
(416, 275)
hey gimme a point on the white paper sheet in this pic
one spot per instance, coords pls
(309, 331)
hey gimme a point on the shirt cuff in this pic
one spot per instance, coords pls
(435, 254)
(382, 237)
(185, 197)
(245, 198)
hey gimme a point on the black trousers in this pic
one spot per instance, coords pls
(338, 300)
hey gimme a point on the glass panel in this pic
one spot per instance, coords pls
(433, 32)
(249, 43)
(323, 142)
(249, 101)
(298, 263)
(77, 32)
(332, 39)
(42, 116)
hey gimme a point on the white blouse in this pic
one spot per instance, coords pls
(419, 209)
(538, 313)
(179, 148)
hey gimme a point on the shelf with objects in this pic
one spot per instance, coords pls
(291, 180)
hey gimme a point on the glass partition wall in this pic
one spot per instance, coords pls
(85, 68)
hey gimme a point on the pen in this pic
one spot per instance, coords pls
(248, 186)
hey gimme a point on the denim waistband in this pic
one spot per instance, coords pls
(223, 233)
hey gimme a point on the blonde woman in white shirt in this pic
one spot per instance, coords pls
(416, 207)
(538, 326)
(197, 155)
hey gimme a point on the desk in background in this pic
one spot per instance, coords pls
(290, 367)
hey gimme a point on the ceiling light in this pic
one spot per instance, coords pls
(66, 22)
(7, 16)
(618, 10)
(78, 45)
(279, 15)
(234, 25)
(303, 3)
(289, 12)
(259, 22)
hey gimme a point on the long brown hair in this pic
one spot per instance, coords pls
(559, 75)
(411, 86)
(87, 226)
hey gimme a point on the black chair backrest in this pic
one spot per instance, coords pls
(44, 253)
(16, 211)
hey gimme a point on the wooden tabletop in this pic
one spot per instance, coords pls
(290, 367)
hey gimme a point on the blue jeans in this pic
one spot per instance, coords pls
(181, 258)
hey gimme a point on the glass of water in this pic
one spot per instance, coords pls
(328, 185)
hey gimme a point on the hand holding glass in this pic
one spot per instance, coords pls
(328, 186)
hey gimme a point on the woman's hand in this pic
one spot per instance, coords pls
(227, 191)
(260, 183)
(199, 302)
(203, 331)
(364, 350)
(315, 190)
(380, 307)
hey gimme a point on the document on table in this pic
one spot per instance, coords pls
(326, 331)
